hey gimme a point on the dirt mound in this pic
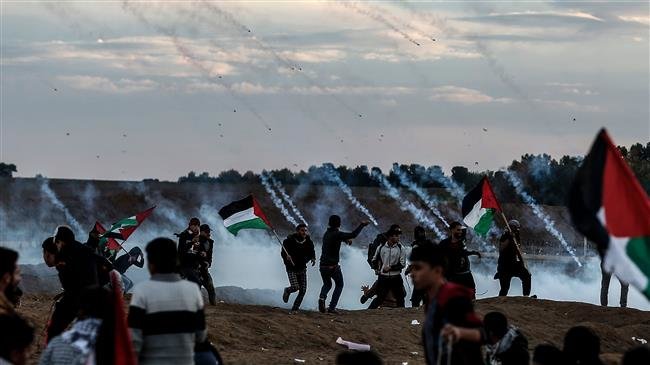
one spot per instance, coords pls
(247, 334)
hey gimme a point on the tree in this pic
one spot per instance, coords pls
(7, 170)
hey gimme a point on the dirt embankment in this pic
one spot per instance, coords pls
(247, 334)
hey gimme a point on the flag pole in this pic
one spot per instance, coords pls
(521, 256)
(282, 245)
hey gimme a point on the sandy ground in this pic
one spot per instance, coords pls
(247, 334)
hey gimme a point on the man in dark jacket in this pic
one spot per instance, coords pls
(459, 267)
(419, 239)
(187, 256)
(79, 267)
(204, 249)
(511, 262)
(329, 261)
(506, 345)
(298, 251)
(449, 310)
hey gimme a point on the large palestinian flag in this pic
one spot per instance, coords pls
(123, 228)
(479, 206)
(244, 214)
(610, 208)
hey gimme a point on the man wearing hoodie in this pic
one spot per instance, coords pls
(298, 251)
(506, 345)
(389, 260)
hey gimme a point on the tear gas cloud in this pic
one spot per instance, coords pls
(548, 222)
(334, 177)
(276, 200)
(51, 196)
(448, 183)
(287, 199)
(406, 205)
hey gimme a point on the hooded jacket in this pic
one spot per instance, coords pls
(393, 256)
(301, 252)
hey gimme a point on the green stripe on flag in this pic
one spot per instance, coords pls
(256, 223)
(638, 250)
(484, 223)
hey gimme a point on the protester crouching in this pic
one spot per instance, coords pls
(390, 260)
(297, 251)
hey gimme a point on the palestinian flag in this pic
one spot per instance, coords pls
(106, 242)
(608, 206)
(479, 206)
(123, 228)
(244, 214)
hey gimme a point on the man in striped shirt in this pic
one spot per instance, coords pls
(166, 315)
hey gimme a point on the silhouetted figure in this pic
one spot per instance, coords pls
(604, 289)
(511, 263)
(300, 249)
(582, 347)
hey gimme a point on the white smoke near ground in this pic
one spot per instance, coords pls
(334, 177)
(406, 205)
(51, 196)
(448, 183)
(539, 212)
(88, 197)
(426, 198)
(276, 200)
(287, 199)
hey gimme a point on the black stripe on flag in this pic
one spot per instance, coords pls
(236, 207)
(585, 195)
(470, 200)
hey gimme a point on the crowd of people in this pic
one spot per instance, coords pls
(166, 319)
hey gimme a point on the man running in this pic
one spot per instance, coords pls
(511, 262)
(329, 261)
(371, 291)
(298, 251)
(459, 267)
(390, 259)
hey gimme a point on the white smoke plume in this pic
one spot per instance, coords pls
(334, 176)
(51, 196)
(88, 197)
(406, 205)
(276, 200)
(287, 199)
(448, 183)
(428, 200)
(539, 212)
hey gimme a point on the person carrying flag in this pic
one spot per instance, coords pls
(300, 248)
(511, 263)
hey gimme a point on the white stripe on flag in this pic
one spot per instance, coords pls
(474, 216)
(244, 215)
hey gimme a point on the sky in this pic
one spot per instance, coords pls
(132, 90)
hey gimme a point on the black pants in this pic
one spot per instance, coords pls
(418, 297)
(65, 311)
(190, 273)
(387, 284)
(518, 272)
(604, 290)
(205, 279)
(329, 273)
(465, 279)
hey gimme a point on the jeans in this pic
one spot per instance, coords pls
(329, 273)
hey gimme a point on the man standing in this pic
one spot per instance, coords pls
(419, 239)
(390, 259)
(459, 267)
(604, 289)
(298, 251)
(511, 262)
(204, 248)
(187, 256)
(447, 304)
(79, 267)
(329, 261)
(166, 316)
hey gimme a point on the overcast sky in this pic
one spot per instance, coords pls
(134, 90)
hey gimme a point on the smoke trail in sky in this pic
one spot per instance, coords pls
(428, 200)
(406, 205)
(378, 17)
(276, 200)
(287, 199)
(548, 222)
(51, 196)
(334, 176)
(448, 183)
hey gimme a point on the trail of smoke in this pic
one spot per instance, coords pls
(287, 199)
(51, 196)
(548, 222)
(182, 50)
(334, 176)
(449, 184)
(406, 205)
(378, 17)
(428, 200)
(276, 200)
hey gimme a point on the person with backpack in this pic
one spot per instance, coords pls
(390, 260)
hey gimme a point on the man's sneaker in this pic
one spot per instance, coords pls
(332, 311)
(364, 299)
(321, 305)
(285, 296)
